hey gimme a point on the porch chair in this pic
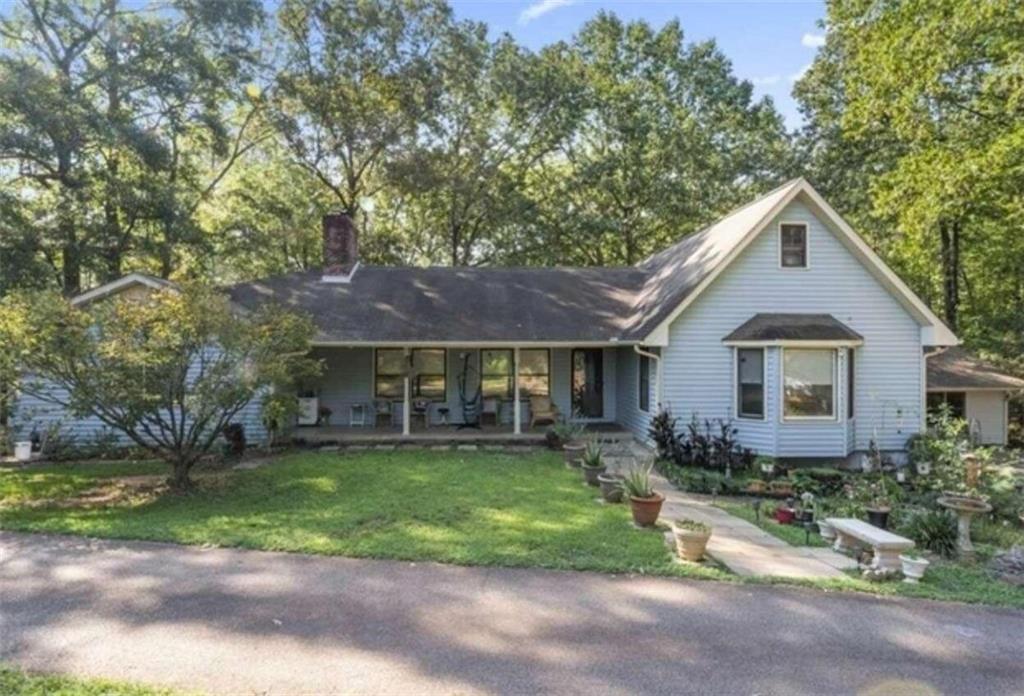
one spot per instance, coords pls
(543, 410)
(421, 409)
(382, 410)
(490, 411)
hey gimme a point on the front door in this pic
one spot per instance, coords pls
(588, 382)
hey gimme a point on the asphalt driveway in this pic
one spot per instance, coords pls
(235, 621)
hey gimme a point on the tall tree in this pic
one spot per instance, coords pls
(667, 139)
(92, 98)
(357, 82)
(928, 94)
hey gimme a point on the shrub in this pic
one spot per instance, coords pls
(934, 530)
(637, 482)
(593, 456)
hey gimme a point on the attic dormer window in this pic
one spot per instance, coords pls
(793, 245)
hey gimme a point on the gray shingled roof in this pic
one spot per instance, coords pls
(394, 304)
(955, 368)
(793, 327)
(384, 304)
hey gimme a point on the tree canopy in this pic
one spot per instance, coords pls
(204, 140)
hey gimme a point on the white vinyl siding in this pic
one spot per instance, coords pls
(698, 368)
(627, 407)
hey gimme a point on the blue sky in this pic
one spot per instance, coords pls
(769, 43)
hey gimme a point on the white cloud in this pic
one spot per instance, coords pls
(799, 73)
(813, 40)
(766, 80)
(541, 8)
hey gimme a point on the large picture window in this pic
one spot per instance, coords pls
(429, 374)
(750, 382)
(793, 245)
(389, 373)
(645, 384)
(534, 372)
(496, 373)
(808, 378)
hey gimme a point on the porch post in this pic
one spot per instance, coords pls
(406, 406)
(517, 417)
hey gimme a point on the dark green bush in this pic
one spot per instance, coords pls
(934, 530)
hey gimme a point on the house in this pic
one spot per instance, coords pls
(778, 317)
(975, 391)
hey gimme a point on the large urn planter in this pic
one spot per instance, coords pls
(572, 452)
(878, 516)
(691, 539)
(611, 487)
(646, 510)
(591, 473)
(913, 568)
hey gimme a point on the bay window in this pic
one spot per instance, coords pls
(809, 383)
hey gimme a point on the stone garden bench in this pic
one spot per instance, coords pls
(851, 533)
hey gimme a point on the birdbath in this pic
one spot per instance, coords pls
(965, 509)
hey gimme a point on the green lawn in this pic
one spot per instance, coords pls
(14, 682)
(793, 535)
(469, 508)
(457, 507)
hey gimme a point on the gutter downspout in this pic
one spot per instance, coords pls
(657, 381)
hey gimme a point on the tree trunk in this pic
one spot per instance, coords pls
(949, 233)
(180, 480)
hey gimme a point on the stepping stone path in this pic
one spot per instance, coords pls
(744, 548)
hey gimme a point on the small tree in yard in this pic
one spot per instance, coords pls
(169, 372)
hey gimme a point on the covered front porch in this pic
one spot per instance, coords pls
(450, 434)
(387, 393)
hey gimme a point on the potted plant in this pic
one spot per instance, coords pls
(784, 515)
(611, 487)
(691, 539)
(568, 437)
(826, 530)
(878, 512)
(324, 414)
(914, 567)
(766, 465)
(593, 463)
(806, 507)
(644, 501)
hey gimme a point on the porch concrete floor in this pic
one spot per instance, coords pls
(343, 434)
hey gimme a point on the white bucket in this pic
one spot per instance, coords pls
(23, 451)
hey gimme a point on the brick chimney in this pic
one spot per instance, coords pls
(341, 248)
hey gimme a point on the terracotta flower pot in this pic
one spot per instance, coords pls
(691, 544)
(590, 474)
(611, 487)
(646, 510)
(784, 515)
(572, 452)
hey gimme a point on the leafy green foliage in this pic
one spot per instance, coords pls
(169, 371)
(916, 132)
(19, 683)
(934, 530)
(637, 482)
(593, 455)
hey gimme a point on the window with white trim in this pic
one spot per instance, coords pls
(750, 382)
(644, 395)
(808, 383)
(793, 245)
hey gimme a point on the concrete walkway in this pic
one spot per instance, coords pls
(250, 622)
(739, 545)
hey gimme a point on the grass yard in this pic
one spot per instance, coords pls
(793, 535)
(456, 507)
(14, 682)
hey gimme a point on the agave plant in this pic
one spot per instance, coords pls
(637, 482)
(593, 456)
